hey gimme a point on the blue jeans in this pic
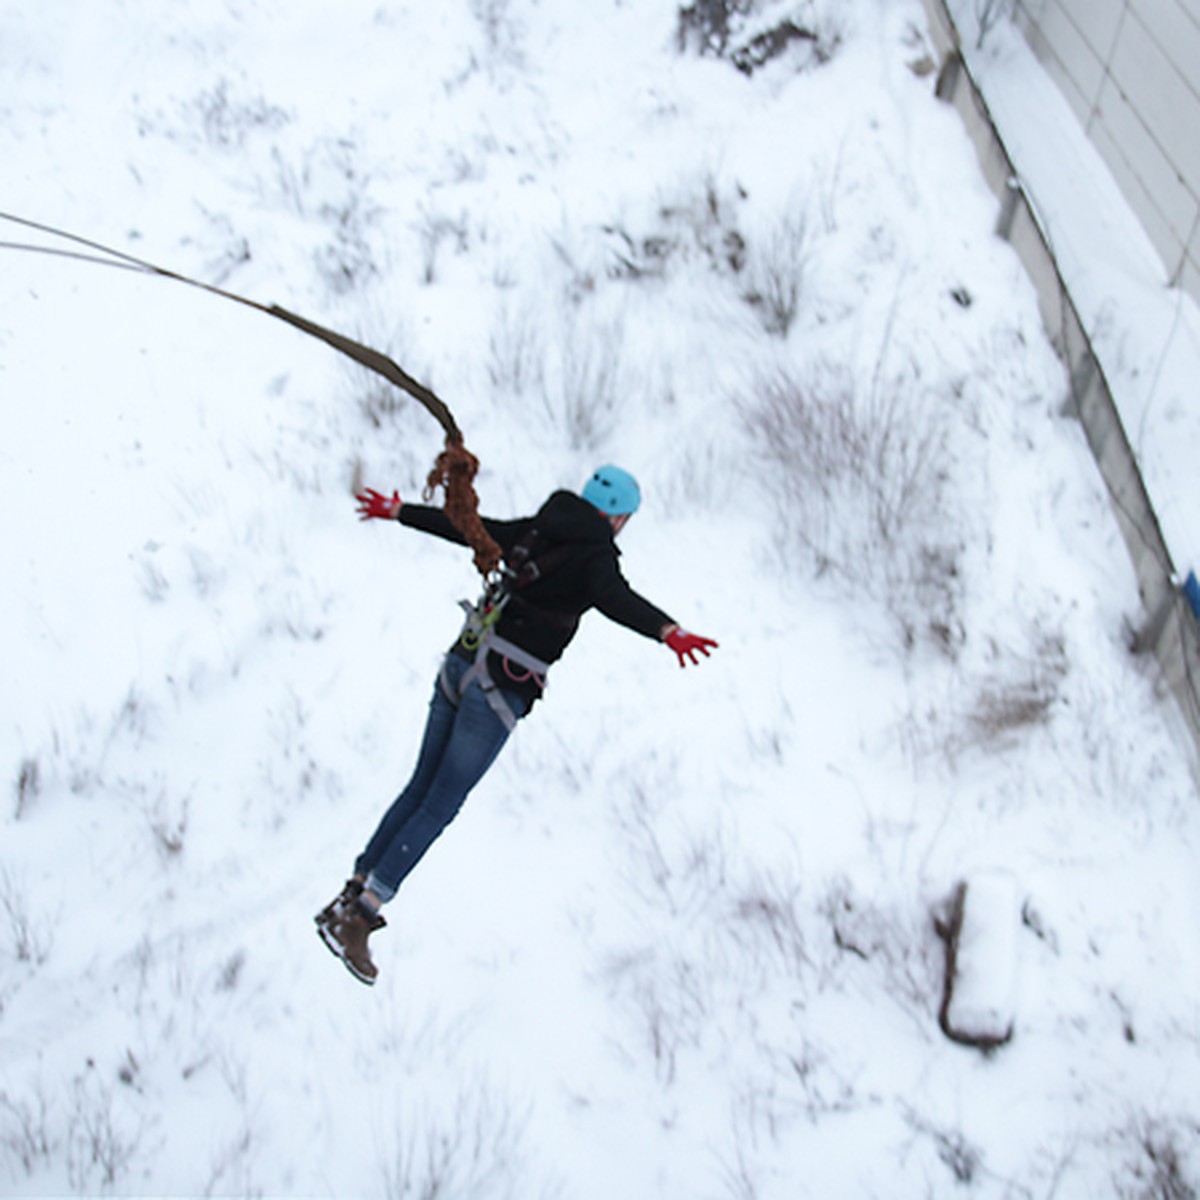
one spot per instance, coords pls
(461, 742)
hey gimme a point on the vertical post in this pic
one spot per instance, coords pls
(1080, 383)
(1008, 207)
(1191, 589)
(947, 80)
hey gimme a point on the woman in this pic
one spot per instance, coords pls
(558, 564)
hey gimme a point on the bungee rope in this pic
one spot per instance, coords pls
(455, 468)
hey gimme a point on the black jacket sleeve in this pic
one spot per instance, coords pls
(427, 519)
(613, 596)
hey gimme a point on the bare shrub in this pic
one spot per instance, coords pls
(775, 272)
(775, 40)
(668, 992)
(859, 475)
(898, 944)
(695, 221)
(1016, 694)
(855, 470)
(707, 25)
(25, 1129)
(229, 1174)
(515, 352)
(168, 824)
(383, 404)
(228, 121)
(31, 937)
(475, 1149)
(348, 259)
(1024, 695)
(231, 973)
(583, 392)
(152, 579)
(751, 33)
(502, 33)
(28, 785)
(1163, 1156)
(100, 1145)
(768, 924)
(964, 1160)
(738, 1175)
(332, 168)
(673, 874)
(434, 231)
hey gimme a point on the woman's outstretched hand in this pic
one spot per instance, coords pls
(373, 504)
(687, 645)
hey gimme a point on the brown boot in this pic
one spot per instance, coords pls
(351, 890)
(346, 936)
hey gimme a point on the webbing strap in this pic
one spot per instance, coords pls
(478, 672)
(514, 653)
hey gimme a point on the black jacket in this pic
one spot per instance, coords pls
(578, 557)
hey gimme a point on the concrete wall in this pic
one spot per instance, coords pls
(1131, 71)
(1166, 626)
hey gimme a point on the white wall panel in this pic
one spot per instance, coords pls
(1130, 69)
(1077, 59)
(1098, 21)
(1166, 104)
(1133, 185)
(1175, 31)
(1157, 175)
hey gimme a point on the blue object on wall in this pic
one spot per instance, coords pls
(1191, 589)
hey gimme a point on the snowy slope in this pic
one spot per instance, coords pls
(680, 941)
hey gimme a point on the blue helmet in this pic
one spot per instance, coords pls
(613, 491)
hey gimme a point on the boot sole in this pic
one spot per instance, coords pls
(335, 948)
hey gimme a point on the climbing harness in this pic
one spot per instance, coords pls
(480, 639)
(456, 466)
(491, 643)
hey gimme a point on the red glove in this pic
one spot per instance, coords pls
(687, 644)
(374, 504)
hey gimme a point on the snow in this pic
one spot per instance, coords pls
(680, 941)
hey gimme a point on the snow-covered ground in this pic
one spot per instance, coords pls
(680, 942)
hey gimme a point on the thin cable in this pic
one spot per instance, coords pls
(373, 360)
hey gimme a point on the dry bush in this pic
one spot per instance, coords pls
(776, 269)
(583, 388)
(435, 230)
(25, 1133)
(859, 477)
(768, 924)
(752, 33)
(28, 785)
(515, 352)
(228, 121)
(1163, 1155)
(696, 220)
(101, 1142)
(31, 936)
(477, 1148)
(707, 25)
(961, 1158)
(1004, 707)
(898, 944)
